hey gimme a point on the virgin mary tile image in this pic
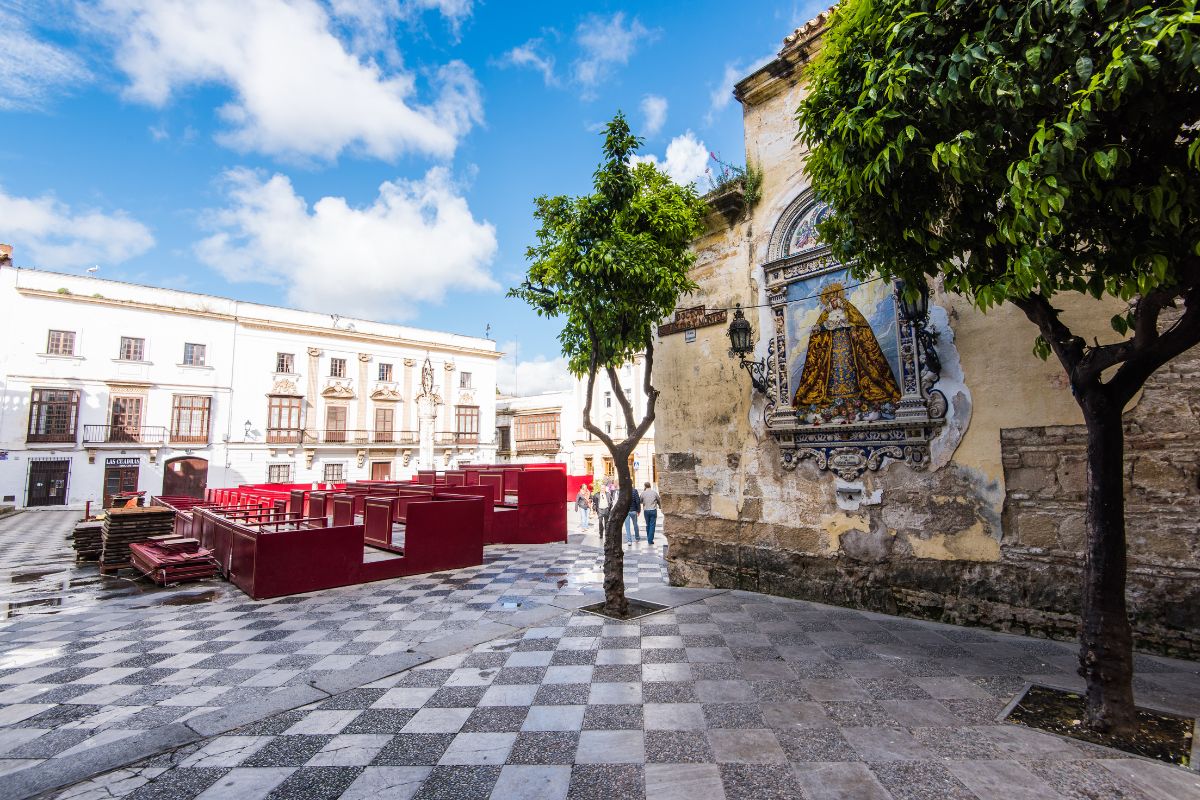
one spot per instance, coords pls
(847, 372)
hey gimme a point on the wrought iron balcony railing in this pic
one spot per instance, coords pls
(361, 437)
(124, 434)
(53, 437)
(445, 438)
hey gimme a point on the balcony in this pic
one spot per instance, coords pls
(336, 436)
(125, 435)
(454, 439)
(538, 445)
(284, 435)
(188, 438)
(53, 437)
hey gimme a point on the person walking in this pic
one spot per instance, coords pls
(601, 504)
(650, 505)
(635, 508)
(583, 504)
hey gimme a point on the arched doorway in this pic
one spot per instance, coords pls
(185, 476)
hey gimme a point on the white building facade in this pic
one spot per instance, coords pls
(589, 455)
(111, 388)
(549, 426)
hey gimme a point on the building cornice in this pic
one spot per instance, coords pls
(783, 71)
(268, 325)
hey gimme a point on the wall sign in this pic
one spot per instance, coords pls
(692, 318)
(123, 462)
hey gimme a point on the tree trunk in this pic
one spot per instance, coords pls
(1106, 638)
(615, 603)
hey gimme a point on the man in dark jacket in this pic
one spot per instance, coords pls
(635, 508)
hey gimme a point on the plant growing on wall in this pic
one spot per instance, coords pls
(1020, 151)
(612, 264)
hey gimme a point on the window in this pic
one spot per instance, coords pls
(385, 372)
(279, 473)
(125, 419)
(335, 473)
(608, 399)
(385, 417)
(283, 418)
(337, 367)
(285, 362)
(189, 418)
(466, 423)
(132, 349)
(53, 415)
(608, 427)
(335, 423)
(193, 354)
(588, 465)
(61, 343)
(536, 432)
(504, 439)
(464, 380)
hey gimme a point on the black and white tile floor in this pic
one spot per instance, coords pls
(727, 695)
(734, 696)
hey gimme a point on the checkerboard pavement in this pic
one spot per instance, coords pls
(734, 696)
(37, 537)
(107, 670)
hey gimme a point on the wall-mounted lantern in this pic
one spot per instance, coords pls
(246, 436)
(741, 344)
(915, 311)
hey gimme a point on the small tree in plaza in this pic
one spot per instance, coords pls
(612, 264)
(1020, 151)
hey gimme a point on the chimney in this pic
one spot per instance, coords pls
(5, 255)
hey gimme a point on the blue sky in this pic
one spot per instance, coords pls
(365, 158)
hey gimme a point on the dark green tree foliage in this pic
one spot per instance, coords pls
(1019, 150)
(611, 265)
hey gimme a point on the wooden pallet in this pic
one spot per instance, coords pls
(108, 569)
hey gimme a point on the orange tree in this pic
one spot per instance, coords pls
(612, 264)
(1020, 151)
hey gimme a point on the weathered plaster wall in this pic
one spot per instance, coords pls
(986, 537)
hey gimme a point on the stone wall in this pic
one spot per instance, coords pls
(989, 533)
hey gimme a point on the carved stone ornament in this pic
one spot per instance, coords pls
(466, 398)
(364, 356)
(407, 457)
(446, 459)
(410, 362)
(386, 394)
(285, 387)
(308, 458)
(428, 400)
(848, 386)
(449, 366)
(314, 352)
(362, 457)
(338, 390)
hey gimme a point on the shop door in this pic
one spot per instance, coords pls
(119, 480)
(185, 477)
(381, 470)
(48, 482)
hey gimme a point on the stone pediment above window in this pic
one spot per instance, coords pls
(386, 392)
(338, 390)
(466, 398)
(283, 386)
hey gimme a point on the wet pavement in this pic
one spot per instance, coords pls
(488, 682)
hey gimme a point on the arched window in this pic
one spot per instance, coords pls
(796, 232)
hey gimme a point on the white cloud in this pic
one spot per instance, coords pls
(722, 95)
(686, 160)
(56, 236)
(31, 69)
(414, 243)
(654, 108)
(297, 89)
(605, 42)
(531, 377)
(530, 55)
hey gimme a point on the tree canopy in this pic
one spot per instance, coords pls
(1016, 149)
(613, 263)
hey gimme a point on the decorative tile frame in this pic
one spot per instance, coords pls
(847, 449)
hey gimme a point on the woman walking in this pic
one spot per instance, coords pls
(583, 502)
